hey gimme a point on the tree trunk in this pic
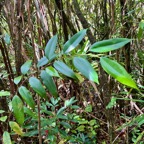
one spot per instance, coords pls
(125, 19)
(83, 21)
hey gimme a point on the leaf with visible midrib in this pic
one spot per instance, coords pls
(37, 87)
(43, 61)
(50, 48)
(49, 83)
(18, 110)
(25, 94)
(118, 72)
(109, 45)
(85, 68)
(64, 69)
(74, 41)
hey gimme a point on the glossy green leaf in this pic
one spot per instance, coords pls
(25, 94)
(3, 118)
(43, 61)
(118, 72)
(50, 48)
(74, 41)
(6, 138)
(49, 83)
(4, 93)
(17, 79)
(18, 110)
(37, 87)
(64, 69)
(16, 128)
(26, 66)
(109, 45)
(52, 71)
(86, 69)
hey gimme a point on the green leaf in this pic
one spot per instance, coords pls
(30, 112)
(65, 124)
(4, 93)
(49, 83)
(118, 72)
(111, 103)
(92, 122)
(52, 71)
(60, 111)
(17, 79)
(31, 133)
(70, 102)
(64, 69)
(141, 24)
(25, 94)
(109, 45)
(74, 41)
(7, 38)
(50, 48)
(18, 110)
(141, 30)
(81, 128)
(6, 138)
(16, 128)
(139, 138)
(88, 108)
(26, 66)
(37, 87)
(2, 111)
(43, 61)
(85, 68)
(3, 118)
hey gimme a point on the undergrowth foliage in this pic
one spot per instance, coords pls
(38, 107)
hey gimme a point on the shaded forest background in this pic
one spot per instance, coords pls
(27, 26)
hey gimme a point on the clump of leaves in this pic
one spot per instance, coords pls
(55, 121)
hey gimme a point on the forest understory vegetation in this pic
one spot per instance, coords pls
(72, 72)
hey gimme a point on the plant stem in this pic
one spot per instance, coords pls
(39, 121)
